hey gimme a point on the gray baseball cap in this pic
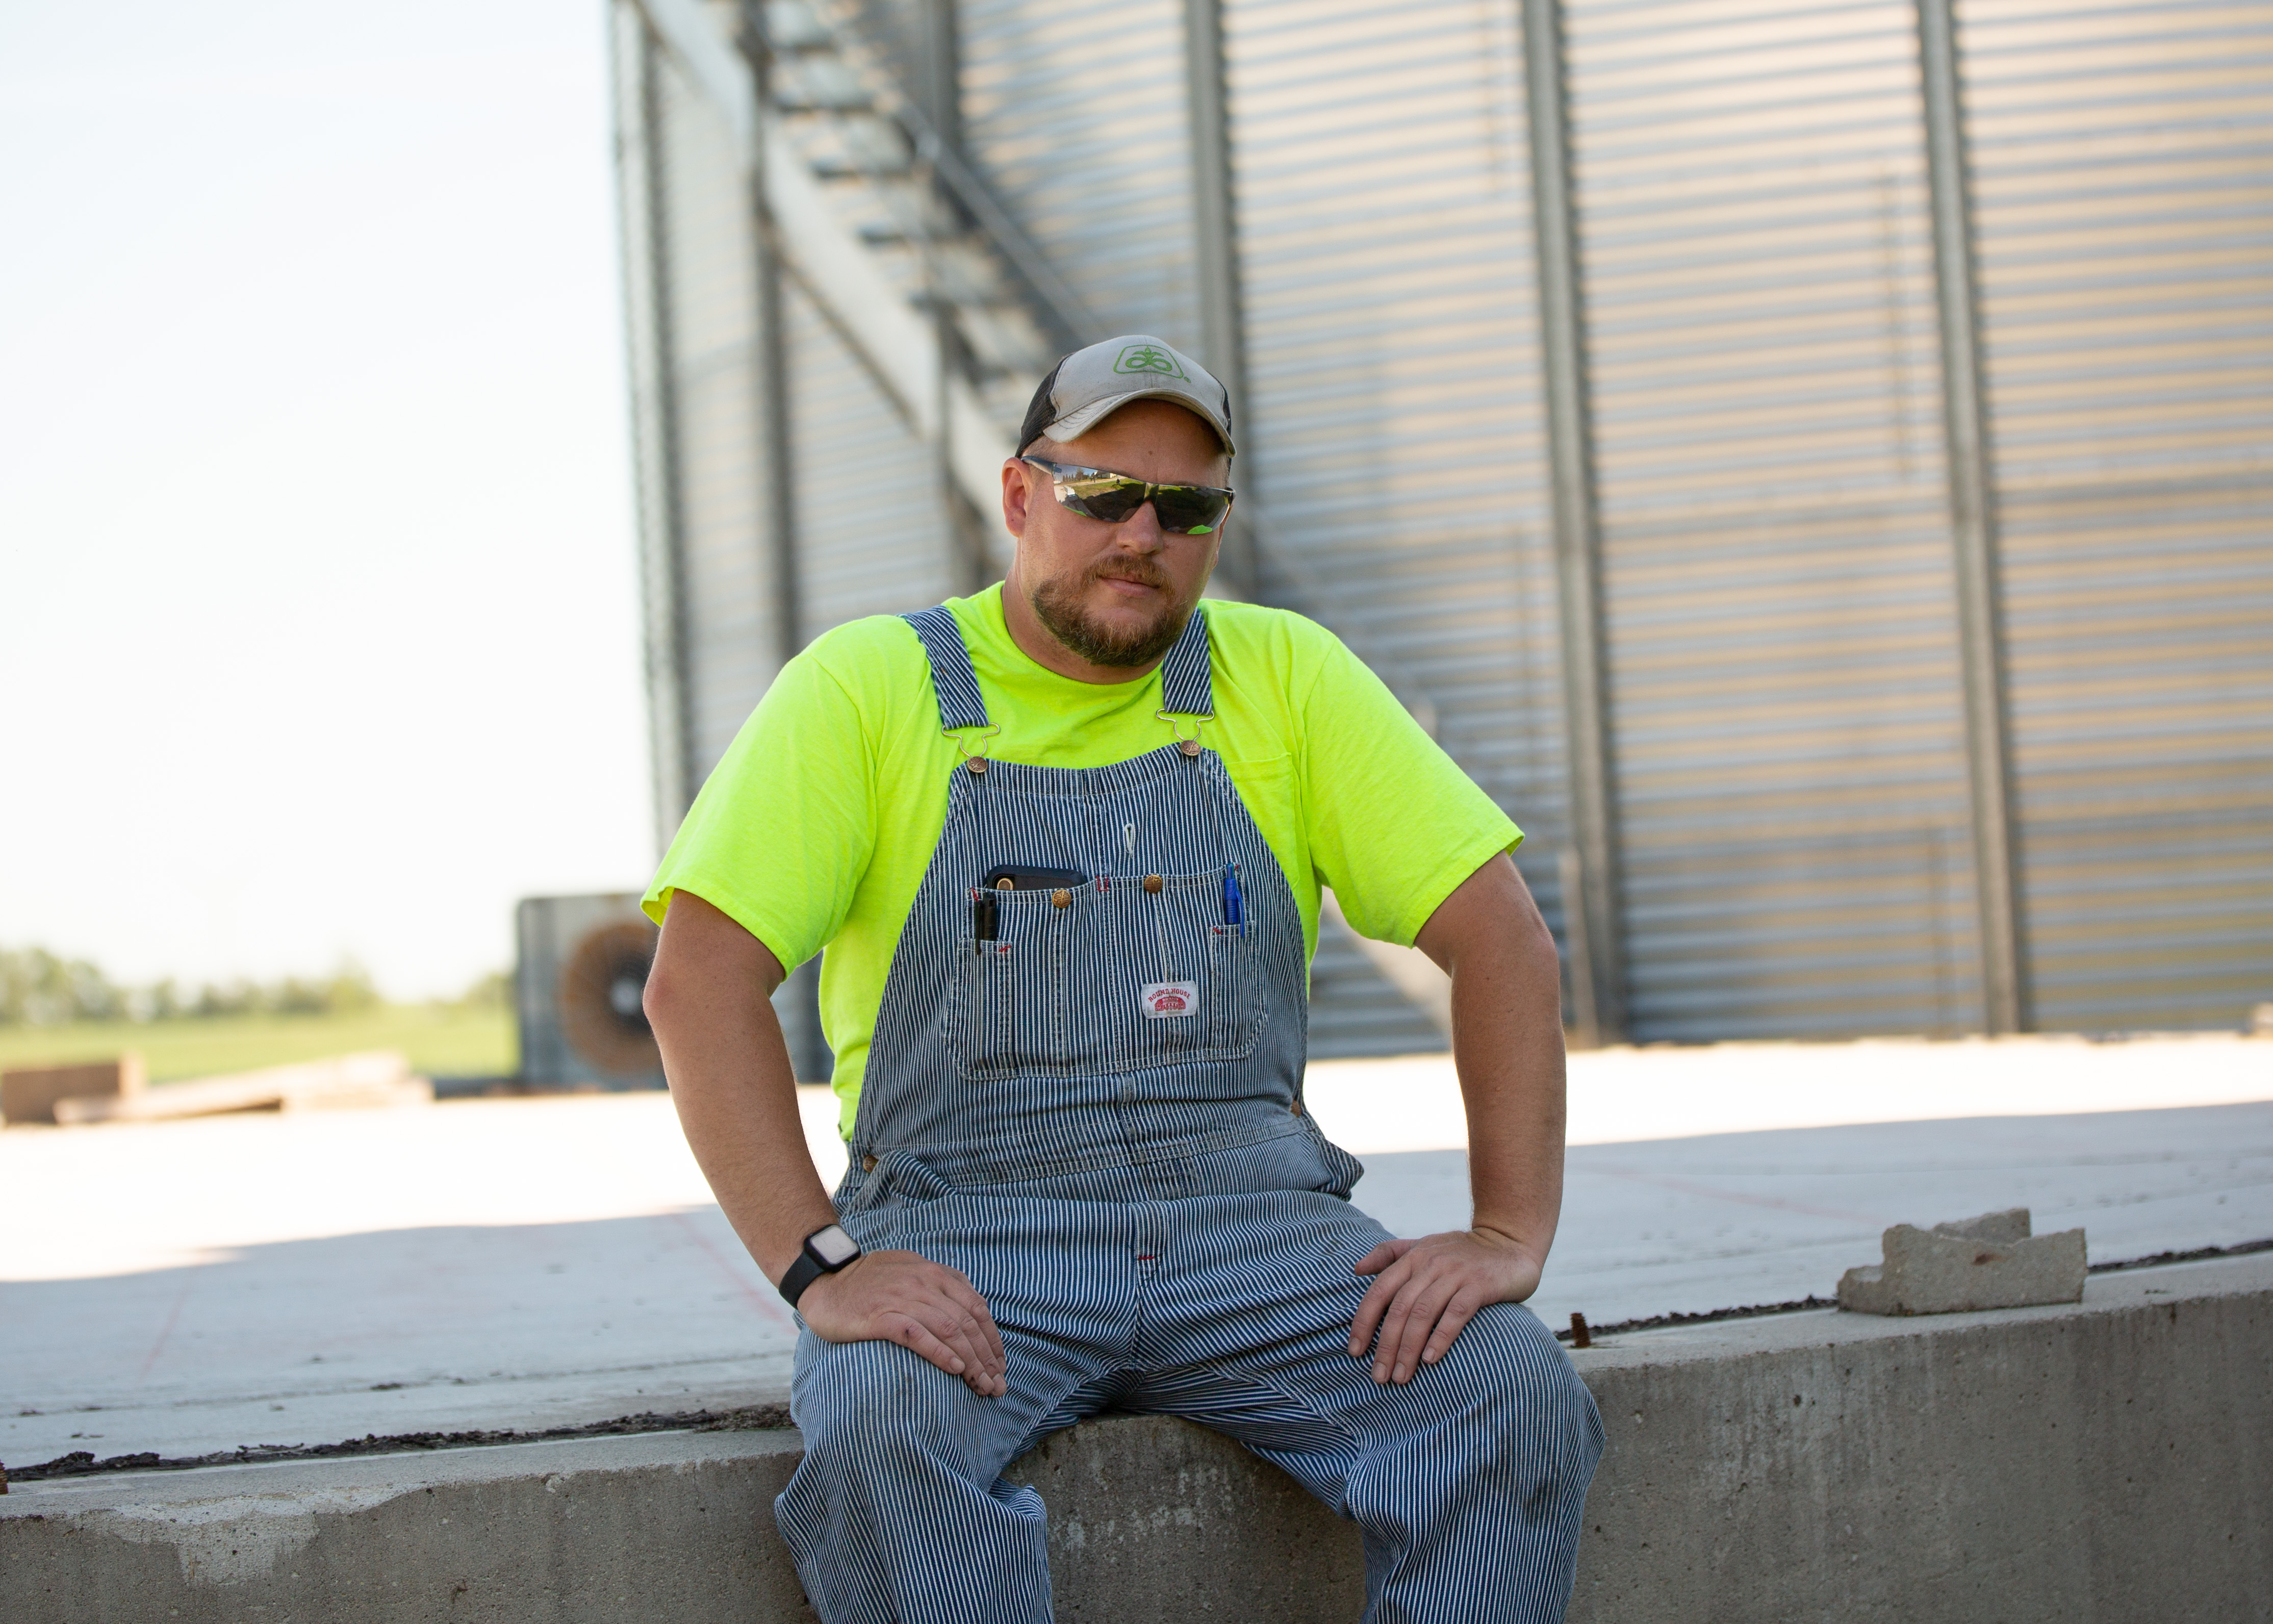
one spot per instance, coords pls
(1091, 385)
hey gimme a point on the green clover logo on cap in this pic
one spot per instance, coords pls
(1148, 359)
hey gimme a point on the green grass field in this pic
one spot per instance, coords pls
(442, 1040)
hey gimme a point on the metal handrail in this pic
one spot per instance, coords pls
(1070, 321)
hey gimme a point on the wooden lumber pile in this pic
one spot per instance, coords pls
(31, 1094)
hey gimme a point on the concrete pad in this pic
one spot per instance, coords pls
(1665, 1092)
(2109, 1460)
(1720, 1221)
(431, 1329)
(187, 1192)
(530, 1264)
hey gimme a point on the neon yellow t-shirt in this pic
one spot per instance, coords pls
(815, 830)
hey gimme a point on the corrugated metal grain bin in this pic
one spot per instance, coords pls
(1813, 466)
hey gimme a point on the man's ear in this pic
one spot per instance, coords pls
(1018, 490)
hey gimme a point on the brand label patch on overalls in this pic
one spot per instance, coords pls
(1166, 1000)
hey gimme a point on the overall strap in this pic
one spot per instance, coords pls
(1186, 687)
(959, 704)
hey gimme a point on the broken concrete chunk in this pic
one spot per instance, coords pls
(2012, 1224)
(1992, 1261)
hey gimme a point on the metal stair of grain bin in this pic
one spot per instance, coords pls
(912, 200)
(883, 223)
(938, 236)
(818, 206)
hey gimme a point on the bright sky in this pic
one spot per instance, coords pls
(319, 615)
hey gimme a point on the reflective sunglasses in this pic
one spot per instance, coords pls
(1100, 494)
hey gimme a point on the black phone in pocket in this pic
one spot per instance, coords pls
(1026, 876)
(1017, 876)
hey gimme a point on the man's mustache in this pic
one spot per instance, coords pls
(1142, 573)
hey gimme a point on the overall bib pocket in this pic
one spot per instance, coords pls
(1006, 1011)
(1163, 970)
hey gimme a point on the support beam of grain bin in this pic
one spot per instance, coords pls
(777, 467)
(1973, 526)
(940, 94)
(1215, 241)
(1598, 928)
(939, 98)
(796, 1000)
(663, 534)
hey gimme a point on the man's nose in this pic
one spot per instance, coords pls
(1141, 531)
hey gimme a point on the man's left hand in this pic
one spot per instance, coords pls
(1425, 1290)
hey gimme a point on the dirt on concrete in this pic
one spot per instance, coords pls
(81, 1462)
(1655, 1322)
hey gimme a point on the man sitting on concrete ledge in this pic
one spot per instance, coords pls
(1063, 842)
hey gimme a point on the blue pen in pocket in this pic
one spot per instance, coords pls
(1234, 911)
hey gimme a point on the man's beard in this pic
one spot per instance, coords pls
(1058, 606)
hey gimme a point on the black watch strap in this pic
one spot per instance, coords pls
(811, 1266)
(801, 1273)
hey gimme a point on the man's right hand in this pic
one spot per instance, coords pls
(927, 1308)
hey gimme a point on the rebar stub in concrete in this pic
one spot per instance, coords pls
(1992, 1261)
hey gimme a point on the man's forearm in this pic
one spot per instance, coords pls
(709, 1002)
(1507, 1044)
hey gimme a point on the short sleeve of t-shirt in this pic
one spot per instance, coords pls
(1394, 825)
(784, 830)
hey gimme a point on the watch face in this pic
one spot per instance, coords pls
(834, 1247)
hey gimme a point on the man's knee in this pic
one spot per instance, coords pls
(1503, 1412)
(1521, 1378)
(875, 1403)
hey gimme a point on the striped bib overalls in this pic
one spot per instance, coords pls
(1085, 1092)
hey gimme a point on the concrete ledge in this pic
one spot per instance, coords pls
(2108, 1460)
(2111, 1460)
